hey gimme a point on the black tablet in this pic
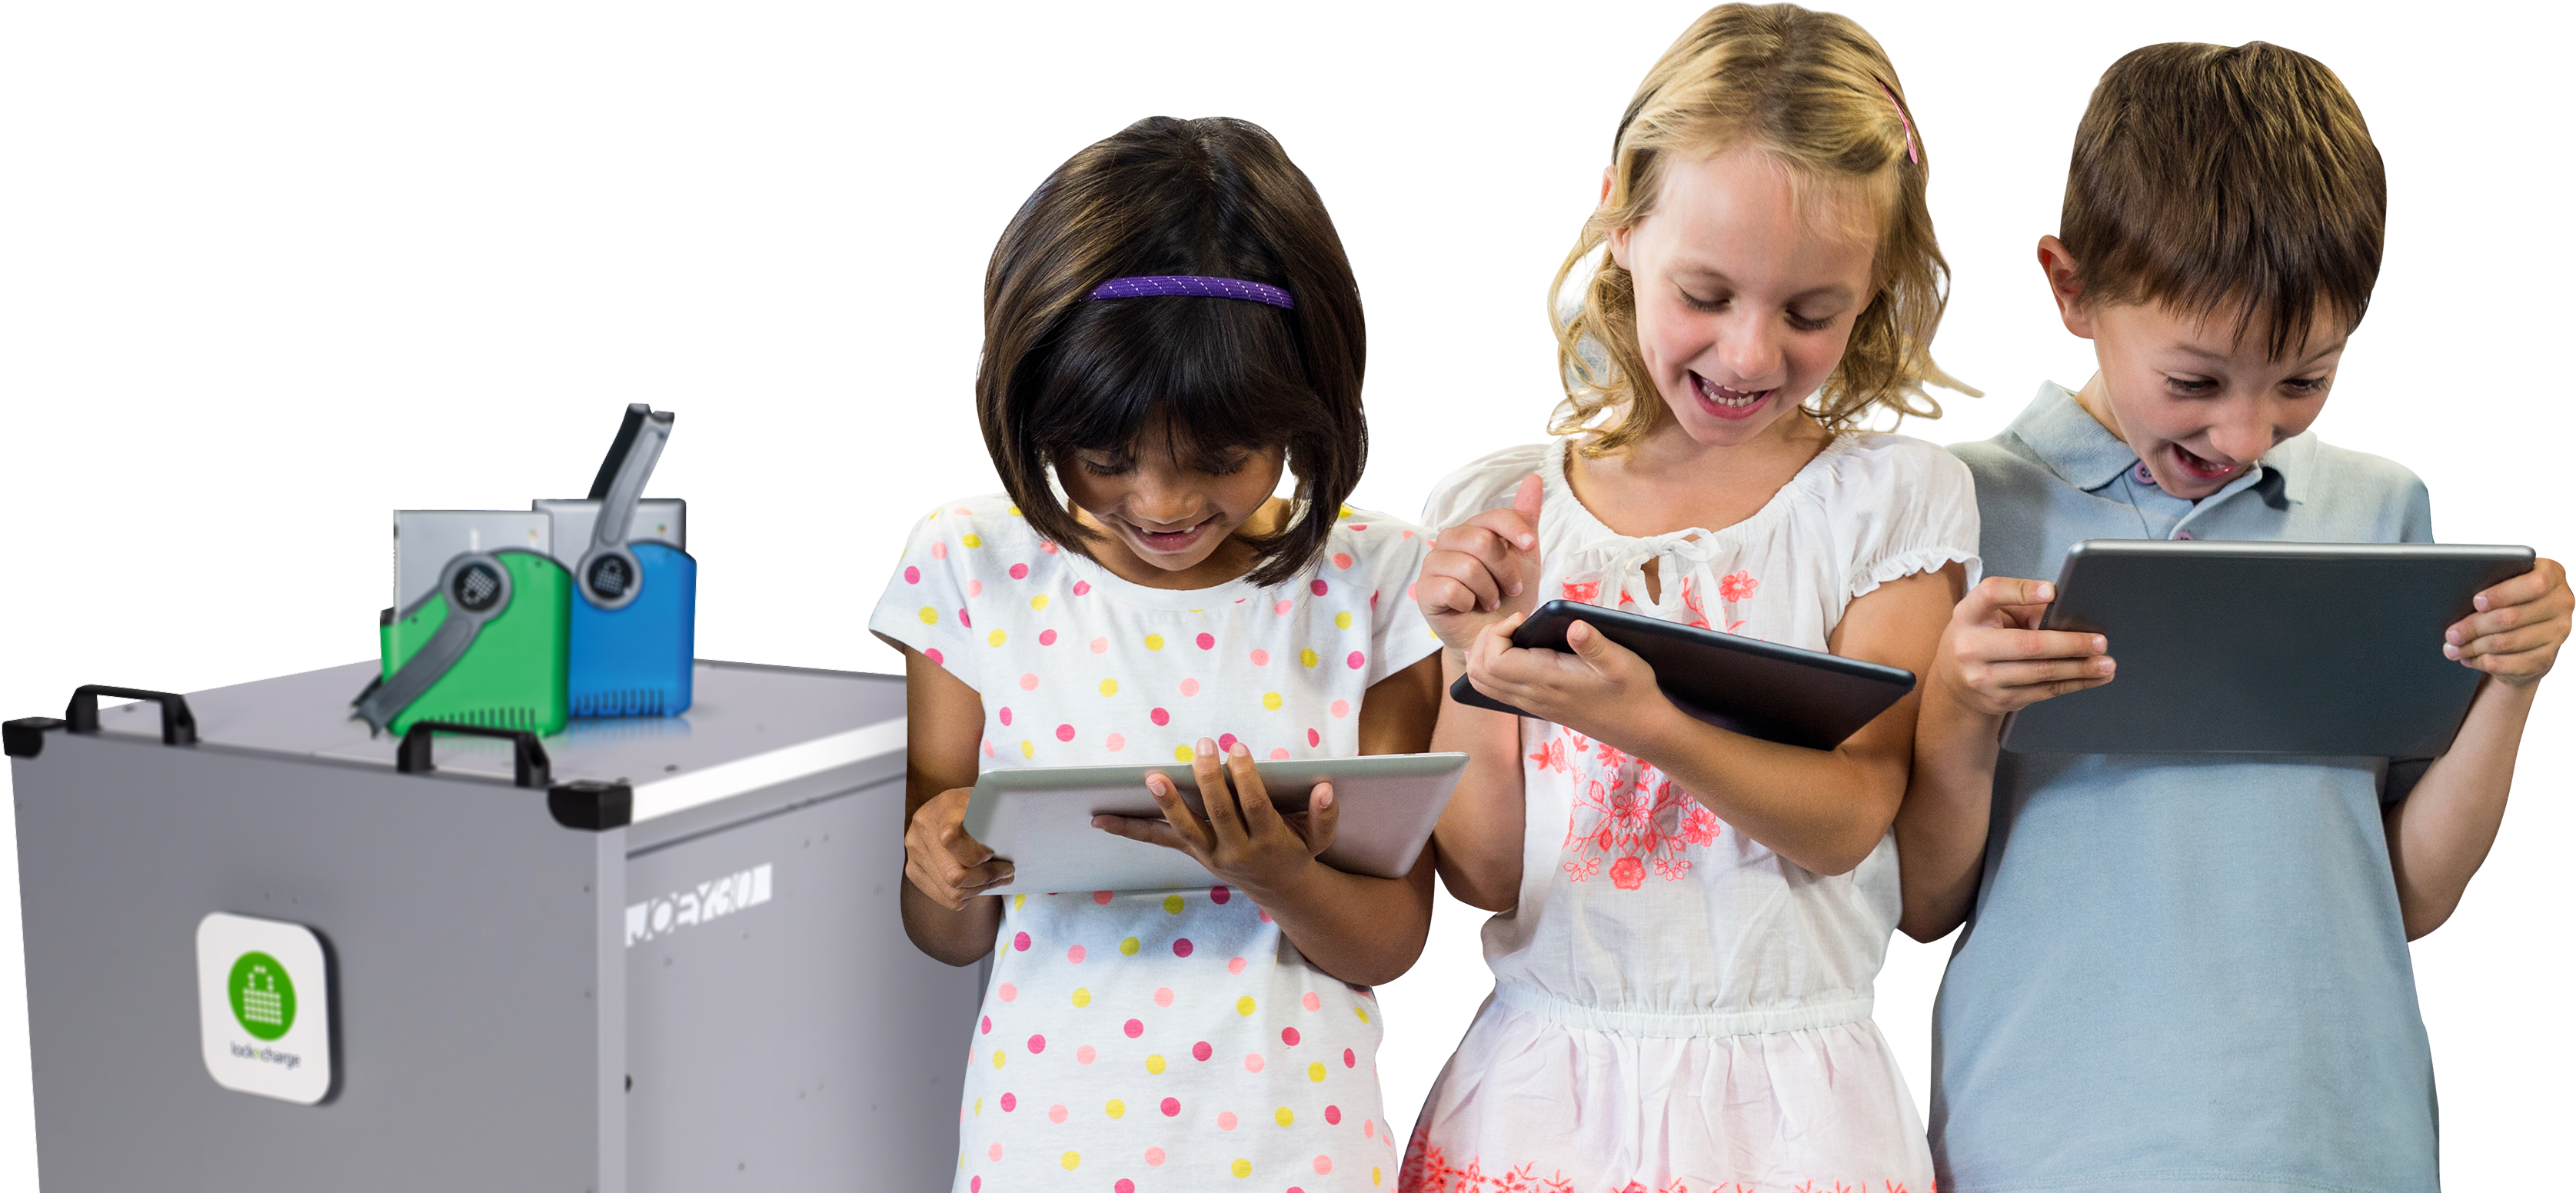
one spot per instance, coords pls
(2266, 648)
(1756, 688)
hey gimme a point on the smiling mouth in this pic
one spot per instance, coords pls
(2201, 467)
(1728, 403)
(1168, 542)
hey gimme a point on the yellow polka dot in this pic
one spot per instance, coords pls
(1242, 1168)
(1129, 946)
(1082, 998)
(1019, 901)
(1115, 1109)
(1342, 620)
(1306, 656)
(972, 541)
(1028, 749)
(1270, 700)
(1154, 1064)
(997, 1058)
(1284, 1116)
(979, 1107)
(1314, 1072)
(1039, 601)
(1347, 512)
(1172, 904)
(1243, 1005)
(929, 616)
(1372, 1176)
(1014, 511)
(1072, 1160)
(1108, 687)
(1153, 642)
(997, 636)
(1184, 753)
(1362, 1012)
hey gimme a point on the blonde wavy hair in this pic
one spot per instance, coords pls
(1814, 92)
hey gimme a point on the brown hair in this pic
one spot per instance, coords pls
(1814, 92)
(2208, 177)
(1213, 197)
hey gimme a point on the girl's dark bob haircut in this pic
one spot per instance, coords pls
(1213, 197)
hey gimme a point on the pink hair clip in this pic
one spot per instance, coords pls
(1902, 121)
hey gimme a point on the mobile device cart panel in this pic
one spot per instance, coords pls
(665, 955)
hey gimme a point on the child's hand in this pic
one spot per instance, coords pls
(1482, 570)
(941, 860)
(1994, 658)
(1597, 689)
(1244, 841)
(2518, 628)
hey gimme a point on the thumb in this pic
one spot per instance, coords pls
(1587, 642)
(1525, 501)
(2005, 592)
(1324, 817)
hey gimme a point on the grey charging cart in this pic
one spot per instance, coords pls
(646, 955)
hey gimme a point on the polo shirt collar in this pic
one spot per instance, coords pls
(2085, 454)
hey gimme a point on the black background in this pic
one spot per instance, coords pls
(279, 279)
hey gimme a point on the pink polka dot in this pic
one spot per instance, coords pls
(994, 1151)
(1189, 687)
(974, 1185)
(1037, 1043)
(1207, 642)
(934, 656)
(1349, 1059)
(1100, 646)
(1160, 716)
(1408, 592)
(1019, 571)
(974, 588)
(1313, 1003)
(1201, 1050)
(1408, 534)
(1006, 991)
(1135, 1028)
(939, 550)
(1260, 658)
(1163, 996)
(1046, 637)
(1154, 1155)
(1368, 1128)
(1006, 714)
(1064, 733)
(1278, 752)
(1341, 559)
(1048, 545)
(1333, 1115)
(1029, 681)
(1288, 1036)
(912, 575)
(1323, 1165)
(1086, 1054)
(1123, 1186)
(1055, 1114)
(1225, 743)
(1181, 947)
(1313, 738)
(1234, 966)
(965, 620)
(1252, 1062)
(1171, 1108)
(1219, 895)
(1021, 942)
(963, 510)
(1319, 588)
(1100, 897)
(988, 1025)
(1010, 1102)
(1075, 954)
(1115, 742)
(1357, 527)
(1357, 659)
(1082, 588)
(1283, 607)
(988, 748)
(1265, 915)
(1225, 1120)
(1341, 708)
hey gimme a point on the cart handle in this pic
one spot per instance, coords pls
(412, 757)
(178, 725)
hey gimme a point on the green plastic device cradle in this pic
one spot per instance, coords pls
(488, 646)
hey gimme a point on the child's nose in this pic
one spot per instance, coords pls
(1749, 348)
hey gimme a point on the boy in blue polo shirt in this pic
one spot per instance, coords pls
(2190, 971)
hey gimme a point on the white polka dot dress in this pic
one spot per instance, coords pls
(1152, 1041)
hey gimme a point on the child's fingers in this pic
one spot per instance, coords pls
(1323, 818)
(1149, 831)
(1992, 598)
(1512, 527)
(1176, 812)
(2007, 677)
(1225, 819)
(1259, 816)
(1454, 581)
(2545, 575)
(1995, 646)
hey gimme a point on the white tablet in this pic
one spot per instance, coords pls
(1039, 819)
(2266, 648)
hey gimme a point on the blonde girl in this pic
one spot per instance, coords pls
(1690, 920)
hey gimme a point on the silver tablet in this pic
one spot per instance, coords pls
(424, 540)
(1040, 819)
(2266, 648)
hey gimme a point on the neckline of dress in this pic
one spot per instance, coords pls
(1563, 503)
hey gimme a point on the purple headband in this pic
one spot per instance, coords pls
(1144, 287)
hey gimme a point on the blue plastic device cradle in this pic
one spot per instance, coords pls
(635, 600)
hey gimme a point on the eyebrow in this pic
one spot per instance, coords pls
(1710, 273)
(2313, 357)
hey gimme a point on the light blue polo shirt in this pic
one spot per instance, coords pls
(2182, 972)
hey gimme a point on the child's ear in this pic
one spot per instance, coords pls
(1618, 237)
(2064, 286)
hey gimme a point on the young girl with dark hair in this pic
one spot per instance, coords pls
(1170, 326)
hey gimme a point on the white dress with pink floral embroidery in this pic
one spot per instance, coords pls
(1675, 1006)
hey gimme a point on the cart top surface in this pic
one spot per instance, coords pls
(750, 726)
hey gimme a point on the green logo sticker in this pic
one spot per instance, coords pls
(263, 997)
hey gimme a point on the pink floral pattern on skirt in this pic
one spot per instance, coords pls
(1626, 815)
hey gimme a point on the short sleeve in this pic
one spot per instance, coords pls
(2417, 526)
(1916, 511)
(1398, 635)
(1487, 483)
(924, 606)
